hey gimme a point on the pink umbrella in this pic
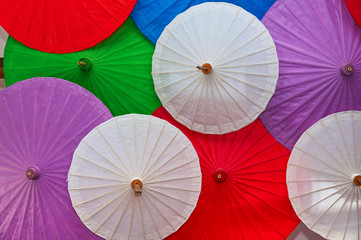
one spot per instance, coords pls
(42, 121)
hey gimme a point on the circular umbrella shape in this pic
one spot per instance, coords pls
(63, 26)
(354, 6)
(244, 193)
(215, 68)
(42, 120)
(153, 16)
(117, 70)
(324, 176)
(134, 177)
(318, 46)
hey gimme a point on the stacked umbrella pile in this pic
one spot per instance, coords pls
(230, 97)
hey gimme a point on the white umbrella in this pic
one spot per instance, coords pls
(3, 38)
(134, 177)
(324, 176)
(215, 68)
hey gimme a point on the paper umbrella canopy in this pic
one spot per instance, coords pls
(134, 177)
(153, 16)
(318, 46)
(324, 176)
(215, 68)
(63, 26)
(42, 120)
(244, 192)
(117, 70)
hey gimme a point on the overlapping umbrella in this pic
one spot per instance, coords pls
(117, 71)
(354, 6)
(42, 120)
(153, 16)
(244, 192)
(324, 176)
(215, 68)
(134, 177)
(318, 45)
(63, 26)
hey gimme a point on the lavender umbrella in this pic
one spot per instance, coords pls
(319, 50)
(42, 120)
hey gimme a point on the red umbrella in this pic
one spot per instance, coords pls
(354, 6)
(244, 193)
(63, 26)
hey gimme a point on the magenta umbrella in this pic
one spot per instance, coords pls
(319, 50)
(42, 121)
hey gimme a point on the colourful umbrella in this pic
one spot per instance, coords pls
(318, 46)
(354, 6)
(324, 176)
(216, 77)
(117, 70)
(152, 16)
(63, 26)
(244, 192)
(42, 120)
(134, 177)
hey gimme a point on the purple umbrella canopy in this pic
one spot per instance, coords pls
(42, 121)
(319, 50)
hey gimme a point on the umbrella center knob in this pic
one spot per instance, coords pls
(220, 175)
(85, 64)
(137, 186)
(32, 173)
(357, 180)
(347, 69)
(206, 68)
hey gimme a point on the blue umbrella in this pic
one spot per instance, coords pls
(152, 16)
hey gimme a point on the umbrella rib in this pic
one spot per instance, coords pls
(96, 177)
(354, 141)
(98, 186)
(200, 46)
(176, 51)
(348, 157)
(330, 206)
(172, 179)
(215, 107)
(248, 64)
(96, 164)
(154, 147)
(319, 190)
(121, 216)
(177, 81)
(173, 61)
(318, 170)
(247, 73)
(124, 146)
(145, 145)
(142, 217)
(172, 188)
(112, 211)
(135, 145)
(223, 102)
(181, 42)
(244, 111)
(153, 221)
(320, 160)
(228, 29)
(97, 197)
(182, 90)
(116, 154)
(163, 151)
(197, 101)
(349, 214)
(212, 52)
(131, 218)
(168, 196)
(168, 161)
(104, 157)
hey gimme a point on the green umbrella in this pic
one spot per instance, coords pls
(117, 70)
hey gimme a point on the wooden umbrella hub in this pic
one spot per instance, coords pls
(32, 173)
(206, 68)
(357, 180)
(85, 64)
(137, 185)
(220, 175)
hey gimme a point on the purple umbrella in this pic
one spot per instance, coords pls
(319, 50)
(42, 121)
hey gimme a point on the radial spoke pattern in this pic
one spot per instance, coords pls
(120, 73)
(311, 85)
(320, 176)
(42, 120)
(246, 205)
(132, 147)
(244, 68)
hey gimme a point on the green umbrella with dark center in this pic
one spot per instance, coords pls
(117, 70)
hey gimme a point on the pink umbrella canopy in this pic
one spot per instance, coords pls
(42, 121)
